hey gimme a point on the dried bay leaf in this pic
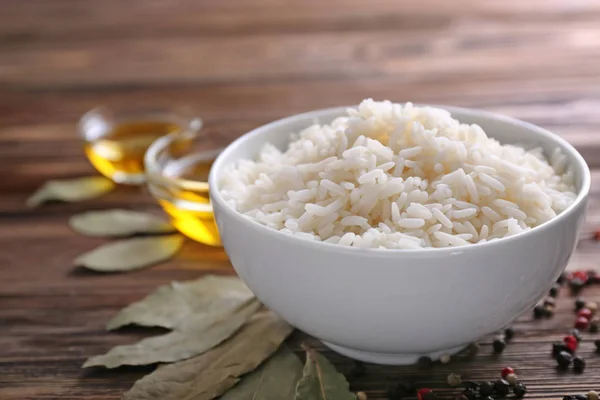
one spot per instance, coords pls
(195, 336)
(211, 374)
(71, 190)
(170, 305)
(276, 379)
(131, 254)
(109, 223)
(321, 381)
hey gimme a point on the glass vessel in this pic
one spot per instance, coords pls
(177, 176)
(116, 140)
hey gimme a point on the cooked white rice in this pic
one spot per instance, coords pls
(399, 177)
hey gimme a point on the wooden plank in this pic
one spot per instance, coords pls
(64, 21)
(271, 100)
(468, 48)
(264, 101)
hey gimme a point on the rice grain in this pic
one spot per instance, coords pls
(396, 176)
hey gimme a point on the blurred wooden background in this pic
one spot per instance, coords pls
(241, 63)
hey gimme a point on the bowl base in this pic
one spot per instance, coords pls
(391, 358)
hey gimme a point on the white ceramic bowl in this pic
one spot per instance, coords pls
(393, 306)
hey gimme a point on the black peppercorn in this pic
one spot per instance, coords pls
(597, 344)
(568, 397)
(397, 391)
(553, 292)
(470, 394)
(520, 390)
(471, 385)
(576, 334)
(424, 363)
(486, 388)
(576, 285)
(499, 345)
(538, 311)
(509, 333)
(580, 397)
(557, 347)
(579, 303)
(548, 311)
(358, 370)
(501, 387)
(561, 279)
(594, 325)
(593, 277)
(578, 364)
(472, 350)
(564, 359)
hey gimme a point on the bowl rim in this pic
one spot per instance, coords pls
(218, 165)
(184, 116)
(155, 174)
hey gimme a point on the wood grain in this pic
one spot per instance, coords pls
(241, 63)
(36, 20)
(467, 49)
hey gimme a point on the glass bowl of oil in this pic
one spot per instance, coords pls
(177, 176)
(116, 140)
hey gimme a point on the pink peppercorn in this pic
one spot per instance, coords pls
(585, 313)
(422, 393)
(582, 323)
(507, 371)
(582, 275)
(571, 343)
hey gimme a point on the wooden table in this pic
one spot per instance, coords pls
(241, 63)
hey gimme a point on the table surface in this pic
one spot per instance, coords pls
(241, 63)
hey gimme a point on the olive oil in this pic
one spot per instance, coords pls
(118, 152)
(186, 198)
